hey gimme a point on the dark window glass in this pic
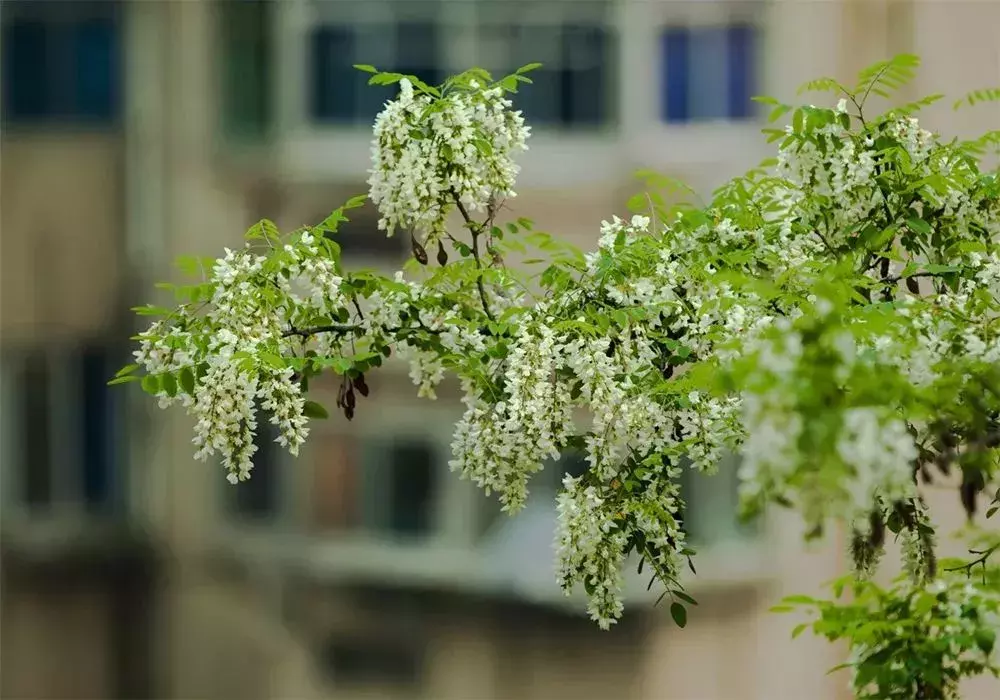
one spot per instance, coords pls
(62, 62)
(36, 424)
(412, 488)
(359, 662)
(257, 498)
(573, 89)
(26, 70)
(95, 66)
(99, 421)
(360, 236)
(339, 93)
(247, 63)
(335, 88)
(399, 487)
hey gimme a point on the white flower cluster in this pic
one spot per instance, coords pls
(428, 151)
(880, 452)
(500, 443)
(722, 291)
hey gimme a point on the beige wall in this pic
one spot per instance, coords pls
(63, 197)
(61, 218)
(55, 642)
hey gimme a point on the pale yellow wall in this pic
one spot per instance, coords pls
(55, 642)
(60, 230)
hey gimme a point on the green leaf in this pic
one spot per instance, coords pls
(799, 629)
(275, 361)
(150, 310)
(127, 369)
(169, 383)
(918, 225)
(187, 380)
(151, 384)
(365, 67)
(124, 379)
(679, 613)
(685, 597)
(311, 409)
(986, 639)
(527, 68)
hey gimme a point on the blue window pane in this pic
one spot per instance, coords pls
(95, 62)
(708, 73)
(26, 70)
(334, 94)
(742, 61)
(98, 429)
(676, 73)
(708, 87)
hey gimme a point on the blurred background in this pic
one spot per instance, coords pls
(134, 132)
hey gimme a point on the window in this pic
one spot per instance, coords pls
(711, 504)
(708, 73)
(406, 38)
(360, 238)
(542, 487)
(399, 486)
(358, 662)
(258, 499)
(573, 88)
(63, 438)
(246, 28)
(61, 61)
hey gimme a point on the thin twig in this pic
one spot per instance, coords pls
(476, 229)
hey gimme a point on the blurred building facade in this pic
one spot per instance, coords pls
(134, 132)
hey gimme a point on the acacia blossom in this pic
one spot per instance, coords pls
(778, 323)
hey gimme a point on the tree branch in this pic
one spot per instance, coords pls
(476, 231)
(984, 555)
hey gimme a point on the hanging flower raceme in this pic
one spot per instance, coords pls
(830, 318)
(433, 151)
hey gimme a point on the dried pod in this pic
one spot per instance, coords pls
(418, 250)
(361, 385)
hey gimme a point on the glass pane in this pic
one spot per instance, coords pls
(95, 64)
(417, 51)
(709, 87)
(742, 71)
(247, 64)
(412, 488)
(542, 102)
(98, 429)
(676, 72)
(27, 70)
(257, 498)
(36, 416)
(334, 94)
(585, 83)
(378, 47)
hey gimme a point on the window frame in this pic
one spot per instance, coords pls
(723, 15)
(67, 500)
(63, 15)
(313, 15)
(532, 14)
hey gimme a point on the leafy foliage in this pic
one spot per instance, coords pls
(830, 316)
